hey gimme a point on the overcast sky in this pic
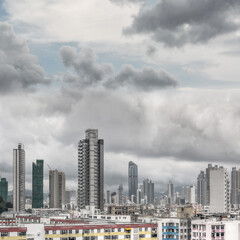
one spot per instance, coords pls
(159, 79)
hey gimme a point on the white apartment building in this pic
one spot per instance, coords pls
(219, 190)
(210, 229)
(174, 228)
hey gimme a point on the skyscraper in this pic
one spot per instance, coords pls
(108, 199)
(202, 188)
(57, 192)
(170, 192)
(235, 188)
(4, 189)
(37, 184)
(120, 194)
(132, 180)
(91, 170)
(148, 191)
(219, 190)
(19, 178)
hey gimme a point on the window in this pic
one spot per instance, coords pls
(4, 234)
(141, 235)
(63, 231)
(22, 234)
(77, 231)
(54, 232)
(47, 232)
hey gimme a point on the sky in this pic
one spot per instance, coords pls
(159, 79)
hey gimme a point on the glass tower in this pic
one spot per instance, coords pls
(4, 189)
(37, 184)
(132, 180)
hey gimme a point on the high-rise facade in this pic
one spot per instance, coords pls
(57, 192)
(202, 189)
(120, 194)
(148, 191)
(132, 180)
(235, 188)
(91, 170)
(4, 189)
(219, 190)
(19, 178)
(170, 192)
(37, 184)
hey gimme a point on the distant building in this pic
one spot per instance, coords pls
(4, 189)
(91, 170)
(219, 190)
(132, 180)
(56, 189)
(19, 178)
(37, 184)
(139, 196)
(120, 194)
(202, 189)
(188, 193)
(170, 192)
(235, 188)
(148, 191)
(71, 195)
(108, 198)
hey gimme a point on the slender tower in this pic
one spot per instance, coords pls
(132, 180)
(19, 178)
(91, 171)
(37, 184)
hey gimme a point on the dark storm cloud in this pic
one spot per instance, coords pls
(88, 72)
(18, 68)
(85, 65)
(176, 23)
(144, 79)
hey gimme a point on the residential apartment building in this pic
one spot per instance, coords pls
(174, 228)
(91, 170)
(211, 229)
(19, 178)
(57, 190)
(219, 190)
(235, 188)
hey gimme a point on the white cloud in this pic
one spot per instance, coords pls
(78, 21)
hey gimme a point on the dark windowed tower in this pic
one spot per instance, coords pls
(37, 184)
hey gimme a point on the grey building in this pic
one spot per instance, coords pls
(108, 199)
(235, 188)
(57, 192)
(170, 192)
(148, 191)
(202, 188)
(120, 194)
(132, 180)
(19, 178)
(91, 170)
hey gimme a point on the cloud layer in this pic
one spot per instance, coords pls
(176, 23)
(18, 67)
(88, 72)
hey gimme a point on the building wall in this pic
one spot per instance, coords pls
(4, 189)
(91, 170)
(132, 180)
(219, 190)
(19, 178)
(37, 184)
